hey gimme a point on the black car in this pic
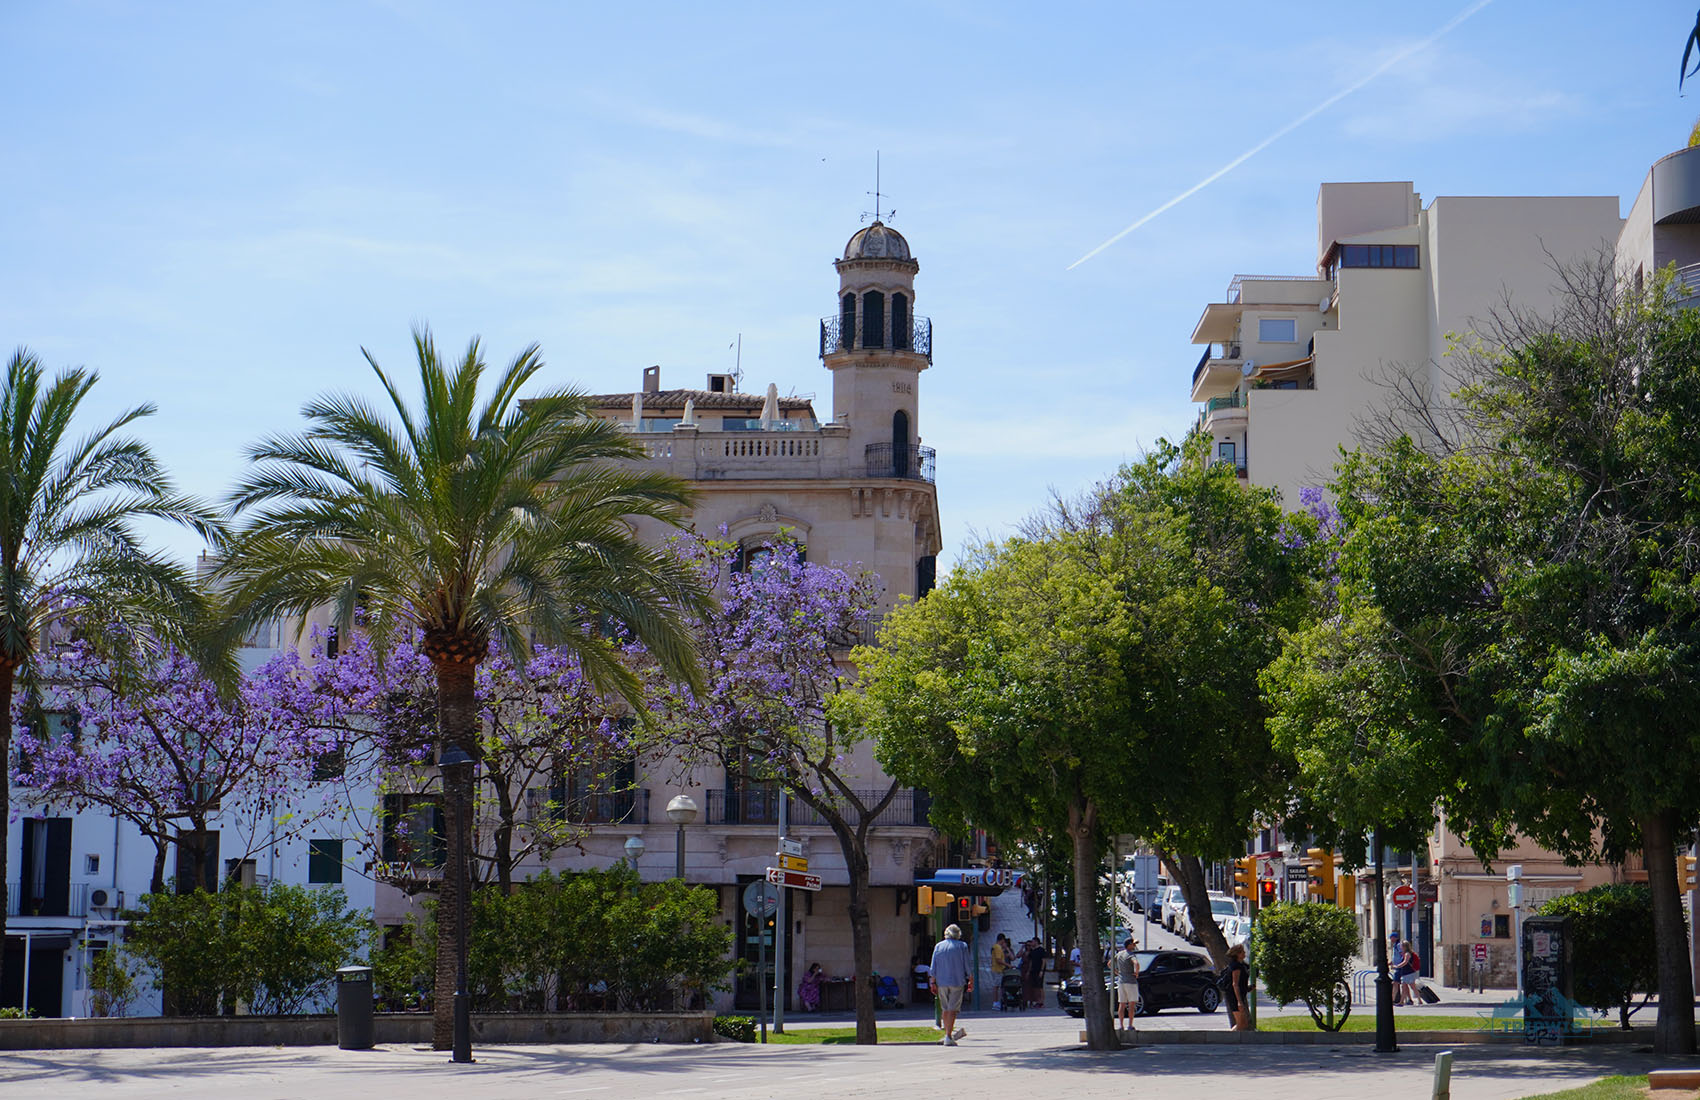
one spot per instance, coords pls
(1167, 979)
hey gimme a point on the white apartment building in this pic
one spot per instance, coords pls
(71, 873)
(1294, 363)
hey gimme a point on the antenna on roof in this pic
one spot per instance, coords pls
(876, 193)
(738, 365)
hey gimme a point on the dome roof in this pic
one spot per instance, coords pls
(877, 242)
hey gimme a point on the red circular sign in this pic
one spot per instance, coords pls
(1404, 897)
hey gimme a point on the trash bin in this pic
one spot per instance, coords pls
(354, 1008)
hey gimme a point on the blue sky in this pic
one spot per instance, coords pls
(217, 205)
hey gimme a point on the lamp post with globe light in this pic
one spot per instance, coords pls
(681, 811)
(634, 850)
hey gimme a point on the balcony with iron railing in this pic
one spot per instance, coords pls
(837, 336)
(66, 899)
(1218, 369)
(760, 806)
(913, 462)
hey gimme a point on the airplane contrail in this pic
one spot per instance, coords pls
(1290, 127)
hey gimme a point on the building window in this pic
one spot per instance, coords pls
(1501, 926)
(873, 319)
(899, 322)
(91, 865)
(1378, 255)
(413, 830)
(926, 575)
(330, 764)
(324, 862)
(1277, 330)
(197, 861)
(846, 322)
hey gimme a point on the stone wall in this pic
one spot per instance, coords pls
(411, 1028)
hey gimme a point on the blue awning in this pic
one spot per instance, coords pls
(974, 881)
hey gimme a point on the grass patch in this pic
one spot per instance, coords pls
(1366, 1022)
(846, 1036)
(1607, 1088)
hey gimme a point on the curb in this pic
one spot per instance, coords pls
(1137, 1038)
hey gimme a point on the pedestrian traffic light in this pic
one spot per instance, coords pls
(1319, 862)
(1266, 893)
(1245, 879)
(1346, 895)
(964, 907)
(1685, 872)
(923, 900)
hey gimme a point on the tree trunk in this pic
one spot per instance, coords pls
(8, 674)
(1188, 871)
(504, 838)
(156, 884)
(457, 724)
(861, 940)
(1674, 1031)
(1095, 997)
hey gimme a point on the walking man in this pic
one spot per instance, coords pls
(1127, 983)
(949, 980)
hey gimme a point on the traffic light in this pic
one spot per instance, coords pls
(923, 900)
(1245, 879)
(1266, 893)
(1685, 872)
(1346, 897)
(964, 907)
(1320, 863)
(943, 900)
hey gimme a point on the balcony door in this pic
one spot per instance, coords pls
(45, 881)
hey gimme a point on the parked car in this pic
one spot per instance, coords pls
(1169, 902)
(1167, 979)
(1236, 929)
(1220, 907)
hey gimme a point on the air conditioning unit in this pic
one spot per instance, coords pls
(100, 898)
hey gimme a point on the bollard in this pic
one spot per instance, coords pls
(354, 1008)
(1443, 1076)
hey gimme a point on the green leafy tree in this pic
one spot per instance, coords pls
(1523, 572)
(1615, 954)
(111, 981)
(1038, 691)
(1303, 954)
(70, 554)
(473, 519)
(276, 949)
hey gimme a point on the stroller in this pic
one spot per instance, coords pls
(1010, 993)
(887, 992)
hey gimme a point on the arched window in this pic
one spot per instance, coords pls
(873, 319)
(900, 322)
(900, 444)
(847, 323)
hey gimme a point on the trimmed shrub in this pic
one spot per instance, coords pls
(1303, 952)
(739, 1029)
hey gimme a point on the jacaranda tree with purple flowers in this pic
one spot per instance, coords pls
(159, 745)
(776, 657)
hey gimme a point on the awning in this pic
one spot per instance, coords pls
(974, 881)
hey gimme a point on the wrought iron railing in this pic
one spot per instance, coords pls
(835, 337)
(1238, 282)
(750, 806)
(1226, 401)
(760, 806)
(1214, 351)
(616, 808)
(890, 460)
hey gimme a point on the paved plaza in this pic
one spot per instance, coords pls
(1019, 1056)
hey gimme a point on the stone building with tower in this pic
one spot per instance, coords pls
(853, 485)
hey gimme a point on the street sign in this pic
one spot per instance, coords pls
(760, 900)
(793, 863)
(1481, 952)
(790, 847)
(792, 880)
(1404, 897)
(1428, 893)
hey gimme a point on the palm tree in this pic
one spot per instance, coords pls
(69, 550)
(507, 522)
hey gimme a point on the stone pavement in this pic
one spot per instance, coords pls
(1003, 1058)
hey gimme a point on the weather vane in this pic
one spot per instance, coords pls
(876, 194)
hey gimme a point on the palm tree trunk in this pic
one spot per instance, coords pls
(8, 674)
(457, 724)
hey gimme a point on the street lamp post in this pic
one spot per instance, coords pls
(1386, 1040)
(681, 812)
(455, 757)
(634, 850)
